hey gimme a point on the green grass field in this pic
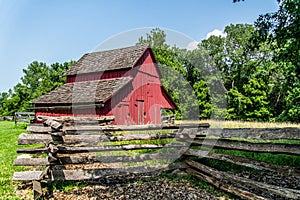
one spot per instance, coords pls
(8, 142)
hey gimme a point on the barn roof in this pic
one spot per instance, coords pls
(108, 60)
(83, 92)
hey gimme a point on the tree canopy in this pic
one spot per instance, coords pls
(37, 79)
(281, 31)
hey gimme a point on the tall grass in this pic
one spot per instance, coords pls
(253, 124)
(241, 124)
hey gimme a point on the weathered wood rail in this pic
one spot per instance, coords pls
(273, 141)
(77, 149)
(87, 149)
(23, 117)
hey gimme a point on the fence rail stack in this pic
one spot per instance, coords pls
(83, 149)
(88, 149)
(216, 143)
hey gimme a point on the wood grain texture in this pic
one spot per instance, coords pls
(284, 192)
(290, 149)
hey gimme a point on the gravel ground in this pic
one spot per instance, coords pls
(134, 187)
(161, 189)
(271, 178)
(148, 187)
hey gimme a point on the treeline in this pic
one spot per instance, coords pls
(38, 79)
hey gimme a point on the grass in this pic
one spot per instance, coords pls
(68, 186)
(244, 124)
(8, 142)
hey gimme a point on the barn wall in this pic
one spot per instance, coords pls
(54, 113)
(51, 112)
(79, 112)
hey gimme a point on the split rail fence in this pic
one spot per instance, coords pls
(23, 117)
(91, 148)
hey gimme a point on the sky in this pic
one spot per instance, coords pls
(62, 30)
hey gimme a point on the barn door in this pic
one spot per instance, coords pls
(140, 111)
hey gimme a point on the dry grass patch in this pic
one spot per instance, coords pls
(240, 124)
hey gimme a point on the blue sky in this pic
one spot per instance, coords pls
(63, 30)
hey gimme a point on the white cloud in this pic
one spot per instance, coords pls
(215, 32)
(192, 45)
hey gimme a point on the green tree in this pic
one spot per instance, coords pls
(38, 79)
(3, 98)
(156, 39)
(233, 54)
(180, 77)
(250, 104)
(242, 70)
(281, 31)
(203, 98)
(175, 81)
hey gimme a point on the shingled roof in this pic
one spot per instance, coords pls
(83, 92)
(107, 60)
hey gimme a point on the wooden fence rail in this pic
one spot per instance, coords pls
(270, 141)
(23, 117)
(96, 151)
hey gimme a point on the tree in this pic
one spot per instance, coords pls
(292, 112)
(38, 79)
(180, 76)
(281, 30)
(250, 104)
(203, 98)
(241, 69)
(156, 39)
(3, 97)
(231, 53)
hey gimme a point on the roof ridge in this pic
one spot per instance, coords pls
(120, 48)
(113, 59)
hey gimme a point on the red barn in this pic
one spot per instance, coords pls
(124, 83)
